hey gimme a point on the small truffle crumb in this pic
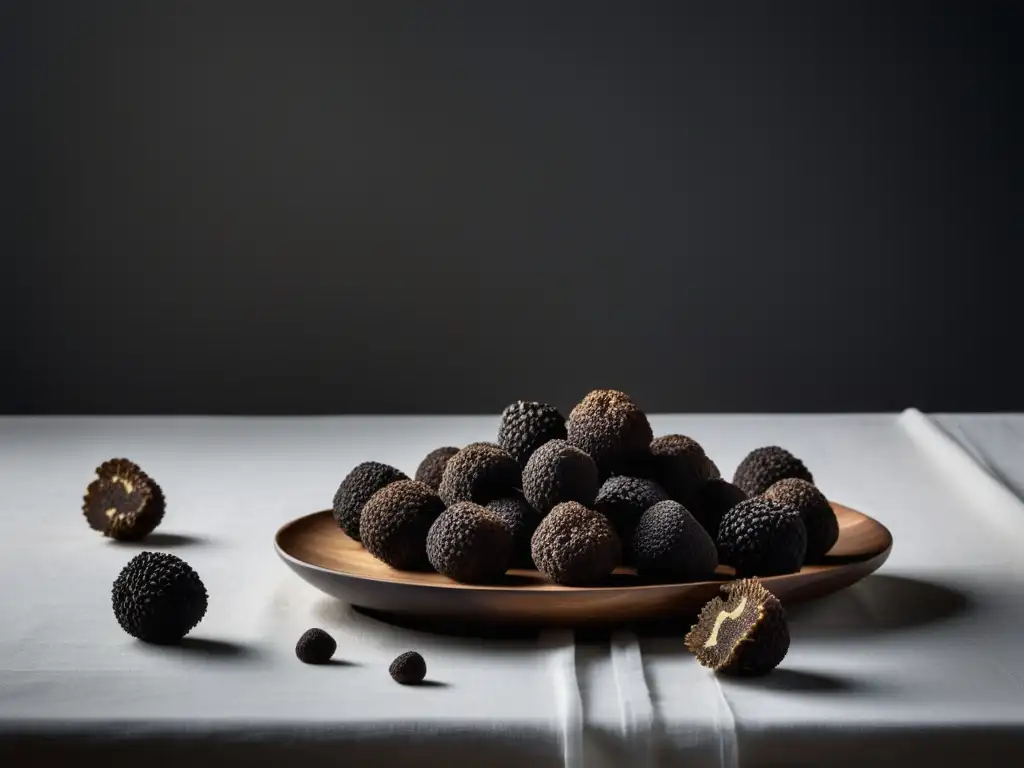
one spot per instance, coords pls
(609, 426)
(526, 426)
(479, 473)
(408, 668)
(763, 467)
(575, 546)
(818, 516)
(558, 472)
(315, 647)
(431, 469)
(469, 544)
(123, 501)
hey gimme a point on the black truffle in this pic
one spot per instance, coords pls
(526, 426)
(158, 598)
(356, 489)
(760, 537)
(623, 500)
(431, 469)
(745, 635)
(558, 472)
(469, 544)
(408, 668)
(395, 522)
(818, 516)
(670, 545)
(575, 546)
(680, 466)
(522, 520)
(763, 467)
(712, 500)
(479, 473)
(609, 426)
(315, 647)
(123, 501)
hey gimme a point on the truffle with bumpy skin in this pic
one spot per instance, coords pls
(431, 469)
(575, 546)
(609, 426)
(761, 537)
(763, 467)
(746, 634)
(479, 473)
(623, 500)
(315, 646)
(522, 520)
(818, 516)
(158, 598)
(395, 523)
(408, 668)
(670, 545)
(525, 426)
(712, 500)
(558, 472)
(469, 544)
(680, 466)
(123, 501)
(356, 489)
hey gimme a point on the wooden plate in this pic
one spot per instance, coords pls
(315, 548)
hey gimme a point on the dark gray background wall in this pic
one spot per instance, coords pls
(308, 207)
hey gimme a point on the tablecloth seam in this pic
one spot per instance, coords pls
(561, 647)
(728, 747)
(636, 709)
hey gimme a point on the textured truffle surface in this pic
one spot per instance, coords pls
(558, 472)
(712, 500)
(315, 647)
(431, 469)
(609, 426)
(670, 545)
(623, 500)
(123, 501)
(575, 546)
(408, 668)
(680, 466)
(479, 473)
(761, 537)
(356, 489)
(818, 516)
(395, 522)
(158, 598)
(469, 544)
(521, 520)
(763, 467)
(746, 634)
(525, 426)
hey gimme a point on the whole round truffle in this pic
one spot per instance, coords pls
(609, 426)
(761, 537)
(623, 500)
(681, 466)
(763, 467)
(408, 668)
(356, 489)
(123, 501)
(479, 473)
(558, 472)
(746, 634)
(670, 545)
(158, 598)
(525, 426)
(575, 546)
(431, 469)
(315, 646)
(395, 523)
(469, 544)
(712, 500)
(818, 516)
(522, 520)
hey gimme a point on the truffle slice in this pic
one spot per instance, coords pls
(526, 426)
(123, 501)
(408, 668)
(745, 635)
(521, 520)
(712, 500)
(670, 545)
(470, 545)
(761, 537)
(315, 647)
(558, 472)
(431, 469)
(681, 466)
(395, 523)
(818, 516)
(575, 546)
(763, 467)
(158, 598)
(609, 426)
(479, 473)
(356, 489)
(623, 500)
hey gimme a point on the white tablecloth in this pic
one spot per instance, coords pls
(922, 660)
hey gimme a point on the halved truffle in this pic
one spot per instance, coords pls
(469, 544)
(522, 520)
(761, 537)
(575, 546)
(818, 516)
(315, 646)
(408, 668)
(712, 500)
(746, 634)
(763, 467)
(525, 426)
(558, 472)
(123, 501)
(395, 523)
(681, 466)
(158, 598)
(431, 469)
(609, 426)
(670, 545)
(623, 500)
(479, 473)
(355, 490)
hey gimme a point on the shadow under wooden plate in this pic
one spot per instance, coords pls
(317, 550)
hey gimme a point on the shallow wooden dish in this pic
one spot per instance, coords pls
(317, 550)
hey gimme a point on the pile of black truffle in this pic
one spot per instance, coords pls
(576, 498)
